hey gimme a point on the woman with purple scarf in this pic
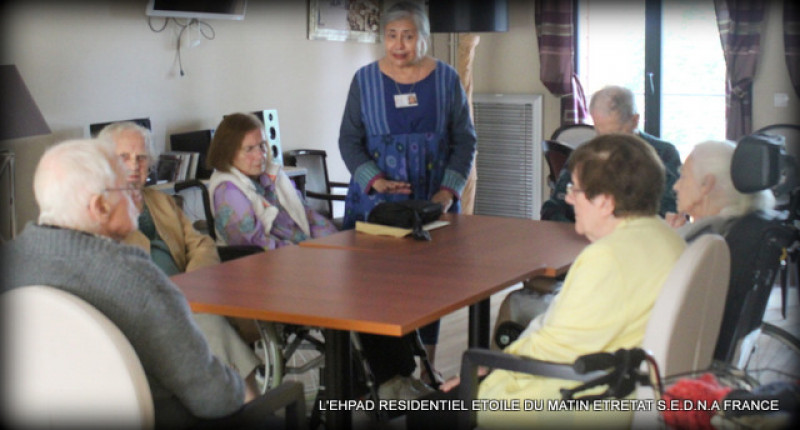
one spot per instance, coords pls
(254, 201)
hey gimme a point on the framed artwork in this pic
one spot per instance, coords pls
(356, 20)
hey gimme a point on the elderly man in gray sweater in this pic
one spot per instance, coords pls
(86, 208)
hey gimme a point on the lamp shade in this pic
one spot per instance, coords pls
(468, 16)
(19, 115)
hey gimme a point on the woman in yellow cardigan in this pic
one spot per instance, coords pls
(610, 289)
(167, 234)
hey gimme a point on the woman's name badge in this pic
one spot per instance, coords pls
(405, 100)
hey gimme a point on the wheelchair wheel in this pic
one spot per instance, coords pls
(270, 350)
(773, 357)
(290, 353)
(303, 360)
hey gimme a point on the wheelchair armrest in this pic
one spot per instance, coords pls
(196, 183)
(189, 183)
(334, 184)
(475, 357)
(324, 196)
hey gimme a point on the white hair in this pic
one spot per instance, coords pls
(714, 158)
(68, 175)
(614, 99)
(111, 131)
(414, 12)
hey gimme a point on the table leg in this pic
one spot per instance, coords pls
(337, 377)
(479, 316)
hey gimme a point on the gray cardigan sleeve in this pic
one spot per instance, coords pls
(171, 346)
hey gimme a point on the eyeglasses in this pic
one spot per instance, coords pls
(572, 189)
(263, 147)
(139, 158)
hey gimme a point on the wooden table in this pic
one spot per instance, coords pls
(351, 281)
(496, 246)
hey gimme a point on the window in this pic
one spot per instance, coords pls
(668, 53)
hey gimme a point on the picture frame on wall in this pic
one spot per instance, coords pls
(343, 20)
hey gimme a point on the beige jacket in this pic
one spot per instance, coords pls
(189, 248)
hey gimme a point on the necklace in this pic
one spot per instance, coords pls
(409, 99)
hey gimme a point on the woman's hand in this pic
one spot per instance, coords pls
(449, 384)
(443, 197)
(391, 187)
(675, 220)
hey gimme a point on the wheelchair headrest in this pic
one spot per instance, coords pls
(760, 162)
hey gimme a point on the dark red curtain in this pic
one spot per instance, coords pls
(555, 33)
(740, 26)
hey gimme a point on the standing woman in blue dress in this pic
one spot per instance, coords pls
(406, 132)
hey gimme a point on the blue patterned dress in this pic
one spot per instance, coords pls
(431, 145)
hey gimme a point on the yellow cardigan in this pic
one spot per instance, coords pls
(190, 249)
(604, 305)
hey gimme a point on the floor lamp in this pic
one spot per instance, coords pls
(19, 117)
(466, 18)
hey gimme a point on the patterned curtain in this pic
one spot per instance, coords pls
(740, 25)
(791, 41)
(555, 32)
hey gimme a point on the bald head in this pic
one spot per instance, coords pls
(613, 110)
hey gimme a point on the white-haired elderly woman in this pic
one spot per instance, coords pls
(406, 130)
(167, 234)
(707, 199)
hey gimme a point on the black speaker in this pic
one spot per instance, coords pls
(470, 16)
(270, 119)
(194, 141)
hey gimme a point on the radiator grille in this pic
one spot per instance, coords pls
(509, 163)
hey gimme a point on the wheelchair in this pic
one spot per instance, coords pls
(289, 352)
(762, 244)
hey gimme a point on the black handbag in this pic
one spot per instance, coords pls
(413, 214)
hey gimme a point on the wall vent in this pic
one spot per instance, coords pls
(509, 163)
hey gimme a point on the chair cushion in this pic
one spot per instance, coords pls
(66, 363)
